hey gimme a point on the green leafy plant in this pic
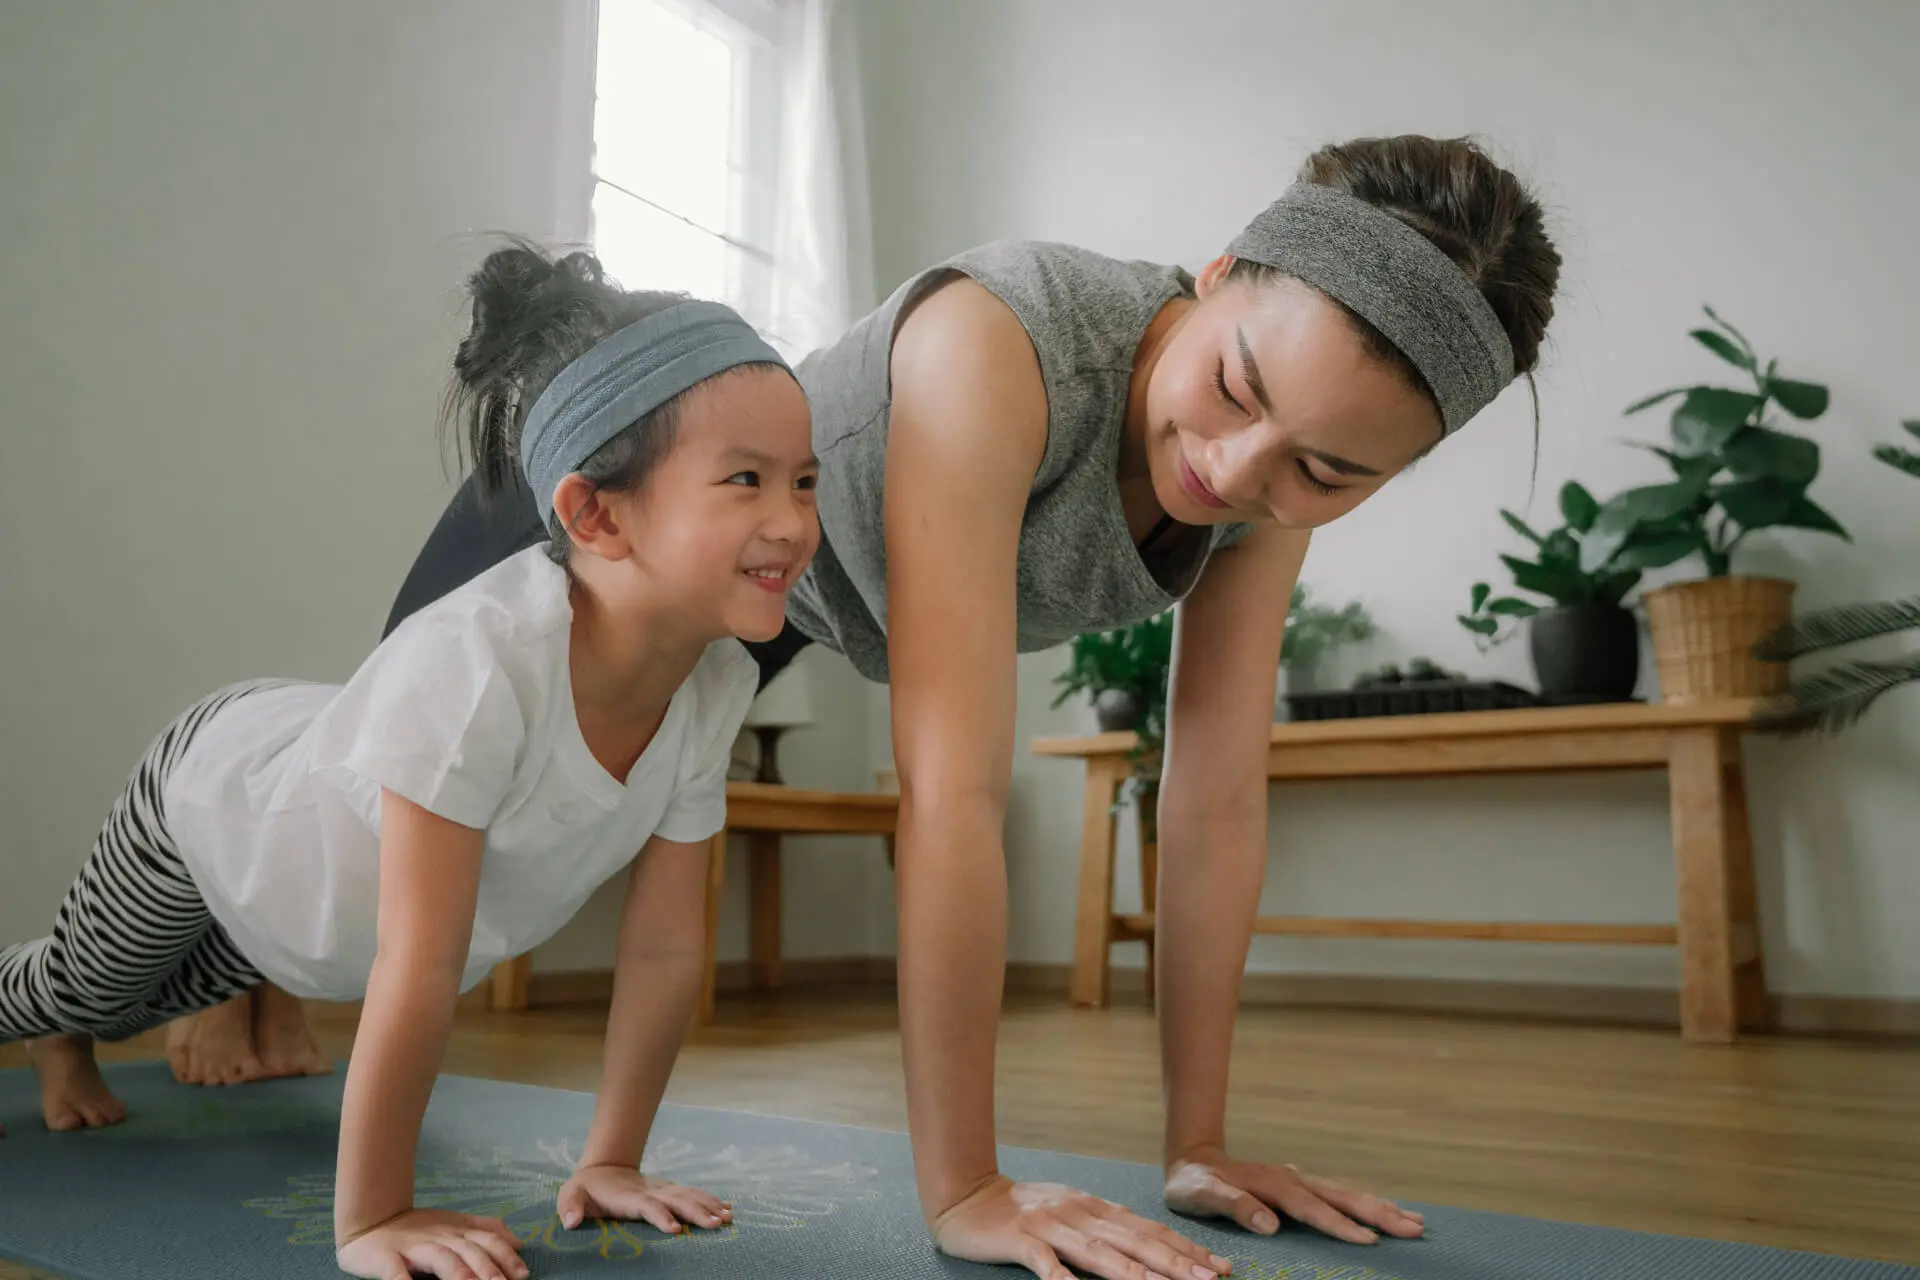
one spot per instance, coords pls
(1315, 630)
(1838, 697)
(1135, 660)
(1901, 459)
(1138, 659)
(1097, 661)
(1734, 470)
(1557, 572)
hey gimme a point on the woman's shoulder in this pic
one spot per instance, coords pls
(1070, 301)
(1086, 305)
(1060, 268)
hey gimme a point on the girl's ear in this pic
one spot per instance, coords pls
(1213, 274)
(594, 524)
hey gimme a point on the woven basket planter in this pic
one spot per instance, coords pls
(1704, 633)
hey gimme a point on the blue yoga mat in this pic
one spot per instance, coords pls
(238, 1183)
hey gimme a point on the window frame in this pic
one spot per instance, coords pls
(754, 28)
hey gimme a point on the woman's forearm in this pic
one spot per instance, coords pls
(952, 891)
(1212, 864)
(653, 1002)
(397, 1049)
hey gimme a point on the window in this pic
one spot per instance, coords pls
(686, 148)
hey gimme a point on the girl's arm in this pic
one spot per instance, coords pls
(1213, 859)
(967, 432)
(656, 986)
(429, 883)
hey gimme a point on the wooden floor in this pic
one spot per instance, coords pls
(1797, 1143)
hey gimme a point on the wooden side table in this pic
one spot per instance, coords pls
(1723, 981)
(765, 813)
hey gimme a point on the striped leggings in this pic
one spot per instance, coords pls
(134, 945)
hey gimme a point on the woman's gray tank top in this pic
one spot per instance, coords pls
(1079, 570)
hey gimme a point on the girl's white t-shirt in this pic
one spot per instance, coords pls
(466, 710)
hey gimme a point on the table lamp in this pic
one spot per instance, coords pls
(785, 703)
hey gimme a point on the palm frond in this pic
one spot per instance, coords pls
(1900, 459)
(1829, 628)
(1834, 699)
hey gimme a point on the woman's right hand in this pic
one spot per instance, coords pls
(1048, 1228)
(434, 1242)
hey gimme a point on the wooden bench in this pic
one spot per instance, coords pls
(764, 813)
(1723, 982)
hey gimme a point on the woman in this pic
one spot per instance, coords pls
(1033, 441)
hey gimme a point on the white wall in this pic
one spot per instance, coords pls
(1760, 157)
(231, 242)
(231, 238)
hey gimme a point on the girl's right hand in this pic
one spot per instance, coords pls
(434, 1242)
(1047, 1229)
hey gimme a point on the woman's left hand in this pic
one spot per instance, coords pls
(1210, 1185)
(612, 1191)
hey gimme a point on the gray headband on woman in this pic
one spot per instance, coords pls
(1396, 280)
(622, 379)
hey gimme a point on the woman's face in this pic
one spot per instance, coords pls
(1266, 405)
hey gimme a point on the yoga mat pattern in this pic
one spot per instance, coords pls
(238, 1182)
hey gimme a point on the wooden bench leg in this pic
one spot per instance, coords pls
(1749, 966)
(763, 955)
(716, 881)
(1093, 924)
(510, 980)
(1702, 845)
(1149, 873)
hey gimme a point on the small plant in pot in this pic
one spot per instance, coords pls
(1314, 630)
(1126, 670)
(1585, 643)
(1734, 472)
(1837, 697)
(1125, 673)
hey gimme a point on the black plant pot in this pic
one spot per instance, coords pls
(1116, 711)
(1586, 652)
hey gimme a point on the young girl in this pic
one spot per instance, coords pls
(492, 763)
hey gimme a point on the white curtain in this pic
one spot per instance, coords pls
(823, 245)
(822, 272)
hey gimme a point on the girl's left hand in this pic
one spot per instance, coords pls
(1209, 1185)
(611, 1191)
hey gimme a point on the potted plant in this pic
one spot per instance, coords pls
(1734, 472)
(1313, 631)
(1839, 696)
(1125, 672)
(1584, 642)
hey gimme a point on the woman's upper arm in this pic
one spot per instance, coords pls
(967, 431)
(429, 883)
(1226, 658)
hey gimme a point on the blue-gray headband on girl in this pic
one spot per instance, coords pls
(622, 379)
(1396, 280)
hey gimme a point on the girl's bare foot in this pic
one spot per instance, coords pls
(72, 1093)
(281, 1036)
(180, 1048)
(216, 1046)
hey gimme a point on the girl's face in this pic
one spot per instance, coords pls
(725, 524)
(1266, 405)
